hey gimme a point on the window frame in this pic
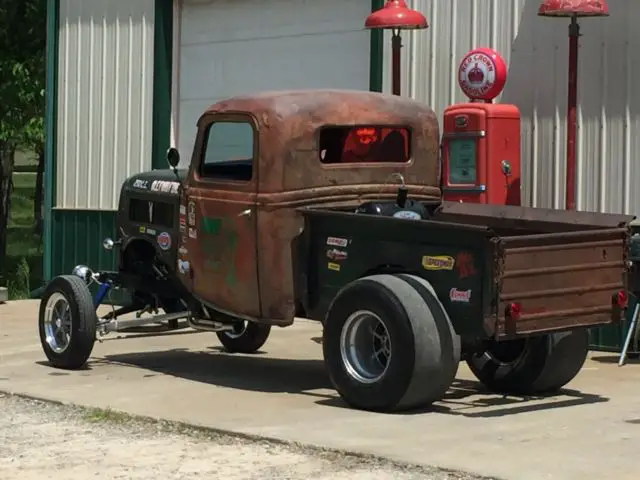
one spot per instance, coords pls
(204, 142)
(408, 128)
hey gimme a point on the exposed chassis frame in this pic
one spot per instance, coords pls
(107, 281)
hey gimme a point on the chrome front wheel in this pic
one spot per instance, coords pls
(57, 323)
(67, 322)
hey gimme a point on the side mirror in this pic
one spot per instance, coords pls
(173, 157)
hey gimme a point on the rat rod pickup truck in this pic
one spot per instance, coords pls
(327, 205)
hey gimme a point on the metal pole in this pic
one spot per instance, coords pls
(396, 47)
(630, 333)
(574, 34)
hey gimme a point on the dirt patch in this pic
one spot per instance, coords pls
(43, 440)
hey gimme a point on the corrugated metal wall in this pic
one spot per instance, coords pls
(536, 50)
(105, 92)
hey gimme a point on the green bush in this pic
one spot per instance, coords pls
(19, 287)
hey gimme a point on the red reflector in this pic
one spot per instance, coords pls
(514, 310)
(621, 299)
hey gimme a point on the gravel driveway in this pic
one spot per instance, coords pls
(41, 440)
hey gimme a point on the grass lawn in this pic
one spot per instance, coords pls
(22, 271)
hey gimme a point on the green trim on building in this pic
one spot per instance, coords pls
(72, 237)
(77, 239)
(163, 40)
(51, 96)
(377, 55)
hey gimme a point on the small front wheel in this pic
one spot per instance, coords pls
(246, 337)
(67, 322)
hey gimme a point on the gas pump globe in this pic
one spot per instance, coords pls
(481, 139)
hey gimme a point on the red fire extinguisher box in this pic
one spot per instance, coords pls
(481, 153)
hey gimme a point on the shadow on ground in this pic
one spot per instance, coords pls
(309, 377)
(632, 359)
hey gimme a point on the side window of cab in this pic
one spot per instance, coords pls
(228, 151)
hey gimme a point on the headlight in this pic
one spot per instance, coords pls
(83, 272)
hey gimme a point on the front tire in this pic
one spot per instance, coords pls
(531, 366)
(246, 337)
(67, 322)
(388, 344)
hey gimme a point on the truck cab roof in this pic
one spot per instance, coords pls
(302, 140)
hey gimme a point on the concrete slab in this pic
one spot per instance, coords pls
(589, 431)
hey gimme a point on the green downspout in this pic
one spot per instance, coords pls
(377, 39)
(51, 96)
(162, 58)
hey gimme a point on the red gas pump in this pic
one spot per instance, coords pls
(481, 140)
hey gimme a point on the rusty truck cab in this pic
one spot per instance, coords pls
(257, 159)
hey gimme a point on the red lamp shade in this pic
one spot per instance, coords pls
(396, 15)
(574, 8)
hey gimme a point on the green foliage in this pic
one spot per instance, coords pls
(23, 243)
(20, 286)
(23, 34)
(22, 71)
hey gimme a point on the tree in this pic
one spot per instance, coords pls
(22, 81)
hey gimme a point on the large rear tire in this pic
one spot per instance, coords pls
(247, 337)
(388, 344)
(531, 366)
(567, 353)
(67, 322)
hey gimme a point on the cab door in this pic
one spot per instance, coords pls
(219, 215)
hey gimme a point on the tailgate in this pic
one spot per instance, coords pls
(559, 280)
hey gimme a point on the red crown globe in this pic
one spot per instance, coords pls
(574, 8)
(396, 15)
(476, 75)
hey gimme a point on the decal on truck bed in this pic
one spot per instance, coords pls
(439, 262)
(463, 296)
(337, 242)
(336, 255)
(465, 266)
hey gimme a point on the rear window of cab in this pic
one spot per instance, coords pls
(364, 144)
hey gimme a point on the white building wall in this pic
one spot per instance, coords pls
(105, 92)
(536, 50)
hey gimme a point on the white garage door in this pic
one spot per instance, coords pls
(231, 47)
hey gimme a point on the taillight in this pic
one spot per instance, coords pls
(620, 299)
(513, 311)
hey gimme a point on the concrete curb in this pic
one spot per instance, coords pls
(255, 438)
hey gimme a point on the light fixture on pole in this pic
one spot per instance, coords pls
(573, 9)
(396, 16)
